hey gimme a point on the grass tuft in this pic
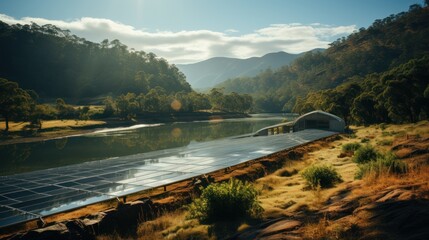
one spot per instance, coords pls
(321, 175)
(384, 165)
(365, 154)
(226, 201)
(350, 147)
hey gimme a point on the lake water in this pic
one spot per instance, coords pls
(115, 142)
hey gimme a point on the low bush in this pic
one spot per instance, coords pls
(384, 165)
(351, 147)
(385, 142)
(287, 173)
(321, 175)
(226, 201)
(383, 126)
(365, 154)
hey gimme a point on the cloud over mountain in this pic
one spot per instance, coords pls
(197, 45)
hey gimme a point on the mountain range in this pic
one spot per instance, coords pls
(210, 72)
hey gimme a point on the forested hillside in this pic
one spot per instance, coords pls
(55, 63)
(398, 95)
(385, 45)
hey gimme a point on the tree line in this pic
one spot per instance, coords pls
(398, 95)
(158, 101)
(384, 45)
(22, 105)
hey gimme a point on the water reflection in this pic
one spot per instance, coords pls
(60, 143)
(109, 143)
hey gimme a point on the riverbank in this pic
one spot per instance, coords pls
(20, 132)
(387, 207)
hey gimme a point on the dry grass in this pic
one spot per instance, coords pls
(49, 124)
(284, 192)
(326, 229)
(158, 228)
(84, 211)
(318, 230)
(418, 176)
(173, 225)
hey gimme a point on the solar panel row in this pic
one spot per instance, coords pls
(41, 193)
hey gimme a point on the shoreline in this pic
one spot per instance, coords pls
(54, 132)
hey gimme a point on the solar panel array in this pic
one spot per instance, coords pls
(38, 194)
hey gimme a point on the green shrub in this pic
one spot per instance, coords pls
(351, 135)
(226, 201)
(351, 147)
(365, 154)
(365, 140)
(384, 165)
(321, 175)
(385, 142)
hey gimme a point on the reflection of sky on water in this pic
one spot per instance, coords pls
(123, 141)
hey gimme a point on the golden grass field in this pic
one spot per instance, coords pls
(50, 129)
(51, 124)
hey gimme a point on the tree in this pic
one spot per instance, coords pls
(42, 112)
(14, 101)
(127, 105)
(199, 101)
(363, 109)
(342, 100)
(109, 106)
(65, 110)
(216, 98)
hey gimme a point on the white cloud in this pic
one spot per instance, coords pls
(231, 30)
(193, 46)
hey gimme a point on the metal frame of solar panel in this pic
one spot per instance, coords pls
(42, 193)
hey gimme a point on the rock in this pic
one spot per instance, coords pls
(341, 208)
(201, 182)
(78, 230)
(126, 217)
(280, 227)
(405, 219)
(281, 236)
(57, 231)
(123, 220)
(70, 230)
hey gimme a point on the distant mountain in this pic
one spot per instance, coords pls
(213, 71)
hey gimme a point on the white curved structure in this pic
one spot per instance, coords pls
(319, 120)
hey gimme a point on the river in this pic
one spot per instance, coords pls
(115, 142)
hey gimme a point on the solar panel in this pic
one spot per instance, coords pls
(41, 193)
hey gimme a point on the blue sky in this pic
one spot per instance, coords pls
(192, 30)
